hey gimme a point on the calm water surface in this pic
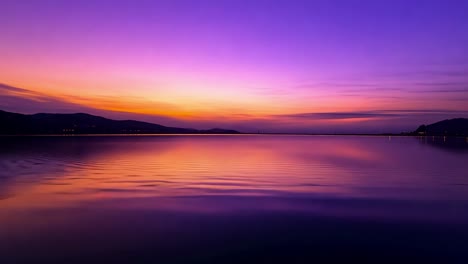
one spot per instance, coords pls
(233, 199)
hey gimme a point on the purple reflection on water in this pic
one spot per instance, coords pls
(233, 198)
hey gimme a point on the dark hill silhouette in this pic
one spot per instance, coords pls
(40, 124)
(449, 127)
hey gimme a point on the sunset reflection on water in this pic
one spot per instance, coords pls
(71, 184)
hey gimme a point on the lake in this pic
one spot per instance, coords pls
(233, 199)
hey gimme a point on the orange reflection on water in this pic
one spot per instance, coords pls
(65, 171)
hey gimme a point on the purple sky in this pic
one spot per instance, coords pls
(280, 66)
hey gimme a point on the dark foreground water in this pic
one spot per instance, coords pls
(233, 199)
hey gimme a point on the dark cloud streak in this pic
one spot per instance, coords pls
(371, 114)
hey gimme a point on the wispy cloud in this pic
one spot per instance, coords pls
(371, 114)
(337, 115)
(26, 101)
(465, 90)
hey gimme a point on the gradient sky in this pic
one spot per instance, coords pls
(278, 66)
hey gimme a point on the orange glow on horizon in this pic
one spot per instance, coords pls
(200, 108)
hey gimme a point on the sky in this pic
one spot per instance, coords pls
(271, 66)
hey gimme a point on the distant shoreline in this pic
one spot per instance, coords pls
(82, 124)
(239, 134)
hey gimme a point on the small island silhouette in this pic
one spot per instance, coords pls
(449, 127)
(80, 123)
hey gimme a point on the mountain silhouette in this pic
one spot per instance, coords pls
(449, 127)
(80, 123)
